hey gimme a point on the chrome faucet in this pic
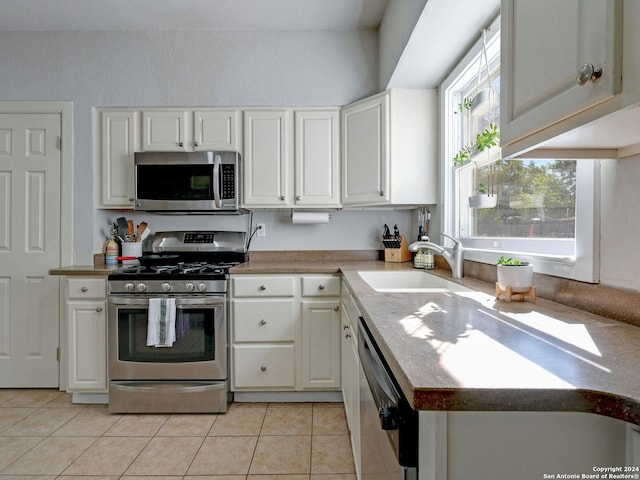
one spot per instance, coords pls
(454, 259)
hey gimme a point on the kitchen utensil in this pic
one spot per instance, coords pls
(130, 230)
(123, 227)
(145, 234)
(141, 228)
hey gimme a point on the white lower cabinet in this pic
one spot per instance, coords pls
(350, 363)
(285, 332)
(86, 325)
(522, 445)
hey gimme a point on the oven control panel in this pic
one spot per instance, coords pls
(198, 237)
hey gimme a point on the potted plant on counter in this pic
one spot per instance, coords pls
(514, 275)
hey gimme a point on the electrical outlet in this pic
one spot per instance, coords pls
(262, 229)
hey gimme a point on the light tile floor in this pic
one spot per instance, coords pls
(44, 436)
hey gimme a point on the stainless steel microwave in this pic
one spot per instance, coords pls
(187, 181)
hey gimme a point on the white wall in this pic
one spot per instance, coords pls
(178, 68)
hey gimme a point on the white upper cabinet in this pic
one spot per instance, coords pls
(568, 69)
(217, 130)
(119, 139)
(389, 145)
(188, 131)
(267, 153)
(291, 158)
(164, 131)
(317, 158)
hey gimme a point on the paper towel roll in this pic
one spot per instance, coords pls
(309, 217)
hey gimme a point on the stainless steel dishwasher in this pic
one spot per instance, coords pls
(388, 425)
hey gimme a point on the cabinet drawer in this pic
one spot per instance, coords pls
(321, 286)
(262, 286)
(264, 366)
(263, 320)
(81, 288)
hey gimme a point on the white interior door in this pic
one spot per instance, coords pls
(30, 167)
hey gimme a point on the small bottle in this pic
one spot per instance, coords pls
(418, 260)
(111, 252)
(429, 262)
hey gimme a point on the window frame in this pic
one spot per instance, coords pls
(584, 265)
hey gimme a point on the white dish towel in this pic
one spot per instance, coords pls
(161, 324)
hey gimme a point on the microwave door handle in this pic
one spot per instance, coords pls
(216, 181)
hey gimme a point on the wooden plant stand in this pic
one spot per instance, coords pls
(531, 293)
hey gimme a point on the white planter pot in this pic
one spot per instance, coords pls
(483, 201)
(518, 277)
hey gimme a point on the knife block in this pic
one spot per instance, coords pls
(400, 254)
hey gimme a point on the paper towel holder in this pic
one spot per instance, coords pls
(309, 217)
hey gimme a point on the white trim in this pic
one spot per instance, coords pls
(65, 109)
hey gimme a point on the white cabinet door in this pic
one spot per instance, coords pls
(164, 131)
(544, 44)
(118, 135)
(217, 130)
(389, 149)
(317, 178)
(86, 340)
(364, 144)
(267, 153)
(320, 344)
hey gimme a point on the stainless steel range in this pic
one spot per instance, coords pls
(168, 325)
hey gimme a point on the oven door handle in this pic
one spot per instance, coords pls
(211, 301)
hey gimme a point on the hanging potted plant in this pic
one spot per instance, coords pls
(479, 109)
(514, 275)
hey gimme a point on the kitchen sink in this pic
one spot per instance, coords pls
(409, 281)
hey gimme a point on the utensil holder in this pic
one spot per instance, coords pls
(396, 250)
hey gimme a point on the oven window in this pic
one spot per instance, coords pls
(195, 337)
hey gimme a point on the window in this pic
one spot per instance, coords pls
(525, 207)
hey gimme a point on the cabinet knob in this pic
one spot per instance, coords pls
(263, 368)
(263, 322)
(588, 73)
(382, 193)
(98, 309)
(348, 335)
(282, 197)
(336, 308)
(181, 144)
(262, 287)
(298, 197)
(321, 286)
(345, 327)
(84, 289)
(196, 144)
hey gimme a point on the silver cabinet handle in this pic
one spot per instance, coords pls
(263, 322)
(382, 193)
(336, 308)
(197, 144)
(321, 286)
(263, 368)
(282, 197)
(588, 73)
(298, 197)
(98, 309)
(263, 288)
(181, 144)
(345, 327)
(347, 336)
(84, 289)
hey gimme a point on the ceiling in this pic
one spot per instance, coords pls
(109, 15)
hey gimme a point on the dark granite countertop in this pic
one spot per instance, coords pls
(469, 351)
(96, 269)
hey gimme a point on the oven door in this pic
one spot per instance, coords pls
(199, 352)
